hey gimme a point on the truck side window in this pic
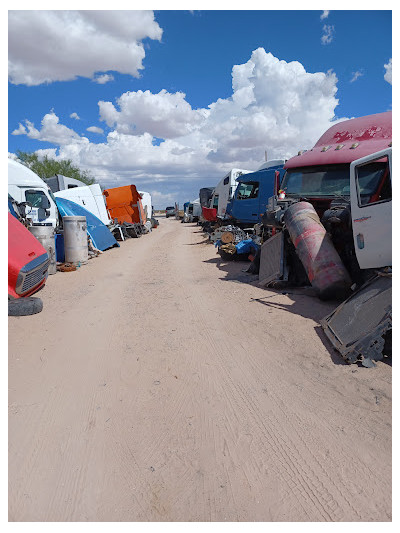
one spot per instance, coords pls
(373, 182)
(37, 199)
(248, 190)
(215, 201)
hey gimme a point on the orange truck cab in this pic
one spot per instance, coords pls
(125, 204)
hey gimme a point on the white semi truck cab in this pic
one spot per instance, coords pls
(26, 186)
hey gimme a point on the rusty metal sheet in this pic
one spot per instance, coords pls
(357, 326)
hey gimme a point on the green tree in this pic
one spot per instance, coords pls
(47, 167)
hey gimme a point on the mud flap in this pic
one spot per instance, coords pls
(357, 326)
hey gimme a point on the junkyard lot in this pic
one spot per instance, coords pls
(156, 385)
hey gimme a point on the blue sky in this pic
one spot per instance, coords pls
(174, 99)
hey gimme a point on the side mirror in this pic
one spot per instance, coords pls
(277, 182)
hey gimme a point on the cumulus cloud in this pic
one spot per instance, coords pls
(275, 105)
(327, 36)
(163, 115)
(75, 116)
(324, 14)
(52, 131)
(95, 129)
(159, 198)
(111, 40)
(104, 78)
(356, 75)
(388, 73)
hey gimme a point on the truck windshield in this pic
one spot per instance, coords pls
(247, 190)
(327, 180)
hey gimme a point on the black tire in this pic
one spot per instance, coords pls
(24, 306)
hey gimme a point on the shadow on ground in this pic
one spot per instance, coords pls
(302, 300)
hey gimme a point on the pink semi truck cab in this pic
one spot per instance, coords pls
(320, 177)
(28, 261)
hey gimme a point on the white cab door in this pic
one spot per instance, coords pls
(371, 209)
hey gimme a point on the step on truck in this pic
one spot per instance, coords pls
(331, 212)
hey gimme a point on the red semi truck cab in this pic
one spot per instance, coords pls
(28, 261)
(323, 173)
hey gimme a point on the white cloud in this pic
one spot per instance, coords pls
(21, 130)
(324, 15)
(327, 36)
(52, 131)
(163, 115)
(160, 199)
(388, 73)
(356, 75)
(75, 116)
(111, 40)
(95, 129)
(104, 78)
(274, 106)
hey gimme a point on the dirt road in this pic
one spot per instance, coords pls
(156, 385)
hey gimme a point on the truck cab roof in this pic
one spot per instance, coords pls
(22, 176)
(348, 140)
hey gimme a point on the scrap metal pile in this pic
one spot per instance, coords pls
(320, 220)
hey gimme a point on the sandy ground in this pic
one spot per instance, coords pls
(158, 385)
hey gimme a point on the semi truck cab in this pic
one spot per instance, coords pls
(26, 186)
(252, 193)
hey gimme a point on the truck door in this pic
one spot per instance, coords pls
(247, 202)
(371, 209)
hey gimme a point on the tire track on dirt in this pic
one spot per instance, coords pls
(316, 493)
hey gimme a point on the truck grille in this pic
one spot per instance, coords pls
(32, 274)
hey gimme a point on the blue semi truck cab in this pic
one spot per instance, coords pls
(252, 193)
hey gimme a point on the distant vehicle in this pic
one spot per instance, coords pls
(169, 212)
(26, 186)
(192, 211)
(225, 190)
(28, 261)
(62, 183)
